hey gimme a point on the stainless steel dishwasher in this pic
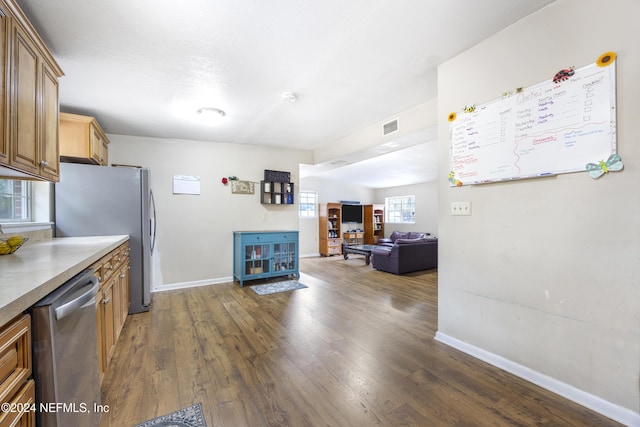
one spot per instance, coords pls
(65, 354)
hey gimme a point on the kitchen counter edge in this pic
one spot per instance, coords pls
(39, 268)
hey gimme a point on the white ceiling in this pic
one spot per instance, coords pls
(144, 67)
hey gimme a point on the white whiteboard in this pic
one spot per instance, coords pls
(186, 184)
(546, 129)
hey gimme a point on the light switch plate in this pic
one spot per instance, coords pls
(461, 208)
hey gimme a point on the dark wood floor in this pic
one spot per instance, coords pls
(354, 349)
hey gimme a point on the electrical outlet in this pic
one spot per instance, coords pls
(461, 208)
(265, 217)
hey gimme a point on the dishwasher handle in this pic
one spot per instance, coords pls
(73, 305)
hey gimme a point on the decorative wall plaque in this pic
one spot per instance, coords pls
(242, 187)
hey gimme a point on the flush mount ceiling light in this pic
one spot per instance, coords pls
(289, 97)
(211, 114)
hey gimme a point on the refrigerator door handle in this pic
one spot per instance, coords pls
(73, 305)
(152, 220)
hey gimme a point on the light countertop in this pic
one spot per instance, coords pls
(38, 268)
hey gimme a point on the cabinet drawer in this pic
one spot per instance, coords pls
(25, 400)
(334, 242)
(286, 237)
(334, 250)
(108, 267)
(97, 270)
(15, 356)
(118, 257)
(250, 239)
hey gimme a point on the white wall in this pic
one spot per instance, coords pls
(414, 119)
(426, 207)
(545, 273)
(328, 191)
(333, 191)
(195, 233)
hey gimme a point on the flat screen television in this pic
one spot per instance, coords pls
(351, 213)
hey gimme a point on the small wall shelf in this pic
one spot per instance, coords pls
(276, 193)
(276, 188)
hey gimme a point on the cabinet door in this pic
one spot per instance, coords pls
(125, 297)
(96, 145)
(120, 299)
(100, 314)
(5, 111)
(108, 307)
(257, 259)
(50, 155)
(105, 153)
(23, 128)
(284, 256)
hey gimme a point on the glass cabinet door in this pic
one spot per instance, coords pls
(257, 259)
(284, 256)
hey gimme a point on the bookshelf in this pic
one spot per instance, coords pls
(330, 238)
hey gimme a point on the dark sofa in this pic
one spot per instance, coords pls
(405, 252)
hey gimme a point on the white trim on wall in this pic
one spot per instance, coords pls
(193, 284)
(604, 407)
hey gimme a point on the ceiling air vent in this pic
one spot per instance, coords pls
(390, 127)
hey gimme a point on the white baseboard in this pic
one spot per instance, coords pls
(604, 407)
(184, 285)
(310, 255)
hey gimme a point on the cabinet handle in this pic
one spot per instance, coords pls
(44, 163)
(122, 275)
(106, 301)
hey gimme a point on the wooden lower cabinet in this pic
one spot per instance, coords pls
(112, 302)
(23, 402)
(16, 388)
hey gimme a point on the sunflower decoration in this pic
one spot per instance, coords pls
(605, 59)
(452, 116)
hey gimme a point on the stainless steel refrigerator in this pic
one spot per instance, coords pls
(106, 200)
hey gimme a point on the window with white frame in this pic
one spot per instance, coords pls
(400, 209)
(308, 204)
(15, 200)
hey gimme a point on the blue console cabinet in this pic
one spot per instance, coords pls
(264, 254)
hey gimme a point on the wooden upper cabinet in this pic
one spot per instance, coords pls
(23, 127)
(82, 140)
(50, 147)
(30, 108)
